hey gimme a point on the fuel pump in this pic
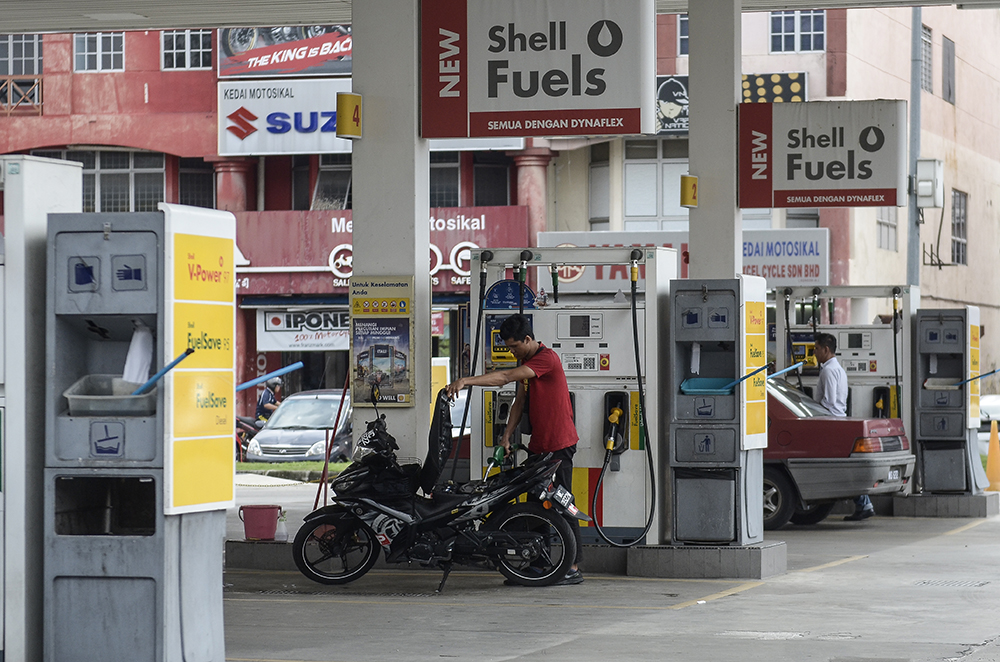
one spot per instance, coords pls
(601, 337)
(868, 348)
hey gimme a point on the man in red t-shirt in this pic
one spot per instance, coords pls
(542, 383)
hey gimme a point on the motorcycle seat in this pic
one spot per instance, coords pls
(428, 506)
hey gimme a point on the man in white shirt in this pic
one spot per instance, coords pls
(831, 393)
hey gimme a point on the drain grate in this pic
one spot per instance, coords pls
(952, 583)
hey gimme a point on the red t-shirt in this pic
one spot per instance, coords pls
(549, 406)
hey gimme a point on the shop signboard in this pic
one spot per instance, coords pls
(672, 105)
(784, 257)
(557, 68)
(309, 50)
(286, 116)
(822, 154)
(309, 330)
(298, 252)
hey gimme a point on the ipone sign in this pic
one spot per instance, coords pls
(822, 154)
(492, 68)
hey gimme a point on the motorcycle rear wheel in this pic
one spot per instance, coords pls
(335, 549)
(558, 551)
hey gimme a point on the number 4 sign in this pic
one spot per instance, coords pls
(348, 115)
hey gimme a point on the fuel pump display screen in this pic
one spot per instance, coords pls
(573, 326)
(579, 326)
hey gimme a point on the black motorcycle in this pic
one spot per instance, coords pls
(375, 505)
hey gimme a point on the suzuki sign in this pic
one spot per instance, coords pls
(822, 154)
(494, 68)
(262, 117)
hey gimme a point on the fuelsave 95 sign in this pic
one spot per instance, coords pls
(822, 154)
(492, 68)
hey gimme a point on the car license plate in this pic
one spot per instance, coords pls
(563, 496)
(894, 473)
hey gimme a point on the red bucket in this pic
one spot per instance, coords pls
(259, 522)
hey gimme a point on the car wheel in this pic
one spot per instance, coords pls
(779, 499)
(813, 514)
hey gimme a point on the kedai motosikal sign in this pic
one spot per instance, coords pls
(493, 68)
(822, 154)
(280, 116)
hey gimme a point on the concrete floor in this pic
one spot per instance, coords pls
(886, 590)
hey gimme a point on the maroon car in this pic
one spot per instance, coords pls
(814, 459)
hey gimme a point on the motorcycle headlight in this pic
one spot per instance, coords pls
(317, 449)
(253, 447)
(361, 451)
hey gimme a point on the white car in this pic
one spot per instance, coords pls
(989, 410)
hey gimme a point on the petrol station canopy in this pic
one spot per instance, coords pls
(91, 15)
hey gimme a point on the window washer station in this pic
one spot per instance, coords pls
(663, 480)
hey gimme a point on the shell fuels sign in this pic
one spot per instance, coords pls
(493, 68)
(822, 154)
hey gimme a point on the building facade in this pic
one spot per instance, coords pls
(140, 111)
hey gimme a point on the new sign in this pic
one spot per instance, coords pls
(822, 154)
(280, 117)
(520, 68)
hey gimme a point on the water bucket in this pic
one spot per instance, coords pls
(259, 522)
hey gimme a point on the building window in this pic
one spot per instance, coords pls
(491, 179)
(117, 181)
(197, 183)
(926, 65)
(187, 49)
(948, 70)
(600, 186)
(801, 217)
(99, 51)
(798, 31)
(20, 63)
(20, 54)
(444, 179)
(885, 222)
(959, 239)
(652, 184)
(682, 34)
(333, 185)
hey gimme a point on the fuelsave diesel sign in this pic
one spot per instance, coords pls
(492, 68)
(823, 154)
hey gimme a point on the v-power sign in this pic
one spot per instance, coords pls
(823, 154)
(492, 68)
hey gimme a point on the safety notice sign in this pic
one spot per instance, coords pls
(381, 339)
(822, 154)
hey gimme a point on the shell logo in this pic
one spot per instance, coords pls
(569, 273)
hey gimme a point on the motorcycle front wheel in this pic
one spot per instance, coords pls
(556, 550)
(335, 549)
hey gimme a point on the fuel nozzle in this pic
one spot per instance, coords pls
(634, 258)
(484, 259)
(526, 256)
(613, 437)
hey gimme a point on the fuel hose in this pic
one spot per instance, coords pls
(635, 256)
(484, 260)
